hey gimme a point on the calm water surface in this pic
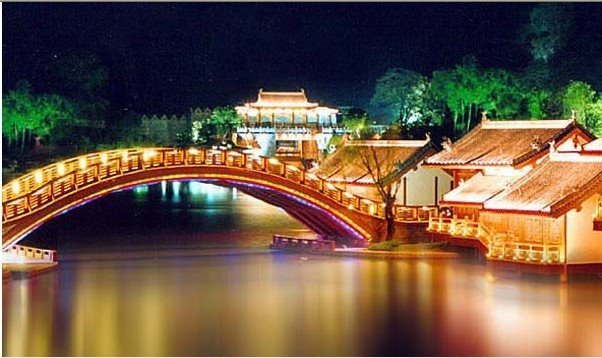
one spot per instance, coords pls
(181, 269)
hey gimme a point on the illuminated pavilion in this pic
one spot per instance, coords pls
(528, 191)
(286, 108)
(287, 125)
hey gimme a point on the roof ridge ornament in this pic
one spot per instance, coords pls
(447, 144)
(428, 137)
(536, 143)
(484, 117)
(573, 115)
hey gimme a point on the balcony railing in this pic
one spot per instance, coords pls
(500, 246)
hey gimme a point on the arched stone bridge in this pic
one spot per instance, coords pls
(31, 200)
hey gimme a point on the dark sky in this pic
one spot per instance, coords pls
(165, 58)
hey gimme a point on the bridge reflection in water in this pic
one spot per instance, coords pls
(240, 302)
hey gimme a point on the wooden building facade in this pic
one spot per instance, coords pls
(526, 191)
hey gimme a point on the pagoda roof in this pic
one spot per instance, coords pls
(395, 157)
(282, 100)
(505, 143)
(558, 184)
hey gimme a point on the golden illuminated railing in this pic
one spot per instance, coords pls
(499, 246)
(41, 187)
(506, 247)
(460, 228)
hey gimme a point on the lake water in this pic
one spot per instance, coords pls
(181, 269)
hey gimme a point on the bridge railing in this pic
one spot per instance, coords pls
(37, 189)
(287, 242)
(31, 253)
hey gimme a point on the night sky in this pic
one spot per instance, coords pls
(165, 58)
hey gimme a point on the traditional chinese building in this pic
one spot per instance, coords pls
(399, 160)
(551, 215)
(526, 191)
(496, 153)
(286, 109)
(287, 125)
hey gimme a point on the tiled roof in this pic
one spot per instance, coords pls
(504, 143)
(282, 99)
(552, 187)
(398, 156)
(478, 188)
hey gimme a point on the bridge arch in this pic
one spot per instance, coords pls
(35, 198)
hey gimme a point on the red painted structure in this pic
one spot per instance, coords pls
(31, 200)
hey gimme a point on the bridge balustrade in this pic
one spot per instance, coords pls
(38, 188)
(31, 253)
(282, 242)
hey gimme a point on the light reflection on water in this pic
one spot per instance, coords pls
(245, 302)
(278, 304)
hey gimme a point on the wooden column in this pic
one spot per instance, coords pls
(405, 191)
(436, 189)
(258, 118)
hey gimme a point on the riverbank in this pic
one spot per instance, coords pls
(21, 271)
(378, 254)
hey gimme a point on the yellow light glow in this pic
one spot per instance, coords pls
(104, 158)
(330, 186)
(60, 169)
(349, 195)
(16, 187)
(372, 209)
(124, 157)
(311, 176)
(274, 161)
(38, 177)
(82, 163)
(148, 154)
(193, 151)
(293, 168)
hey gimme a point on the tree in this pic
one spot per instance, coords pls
(582, 98)
(445, 88)
(357, 121)
(380, 166)
(500, 94)
(225, 119)
(83, 78)
(402, 92)
(26, 114)
(549, 28)
(203, 131)
(536, 102)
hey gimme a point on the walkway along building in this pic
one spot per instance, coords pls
(524, 191)
(287, 125)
